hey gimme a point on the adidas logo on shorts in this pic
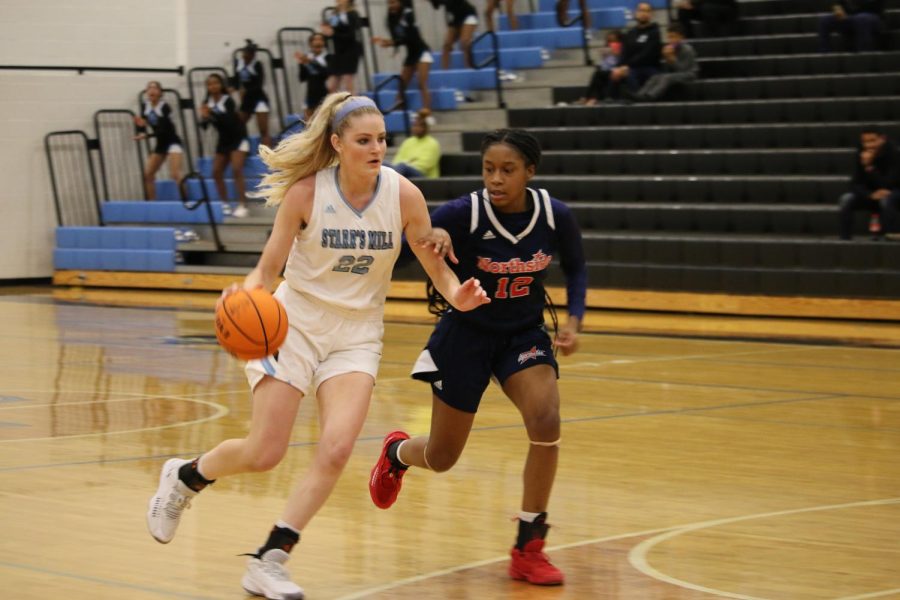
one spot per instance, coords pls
(439, 384)
(489, 235)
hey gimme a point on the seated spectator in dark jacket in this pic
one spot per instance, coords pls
(642, 49)
(876, 183)
(679, 66)
(717, 16)
(858, 21)
(600, 86)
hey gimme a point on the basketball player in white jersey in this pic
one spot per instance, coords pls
(340, 218)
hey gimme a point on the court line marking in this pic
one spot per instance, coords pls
(220, 411)
(105, 582)
(622, 536)
(637, 556)
(872, 595)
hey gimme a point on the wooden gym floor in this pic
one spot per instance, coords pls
(691, 467)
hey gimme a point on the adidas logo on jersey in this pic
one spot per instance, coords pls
(489, 235)
(330, 210)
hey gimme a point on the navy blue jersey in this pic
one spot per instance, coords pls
(405, 32)
(159, 118)
(510, 254)
(249, 76)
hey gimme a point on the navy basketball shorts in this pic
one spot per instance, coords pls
(459, 360)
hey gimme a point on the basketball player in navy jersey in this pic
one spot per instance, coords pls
(157, 115)
(506, 235)
(336, 235)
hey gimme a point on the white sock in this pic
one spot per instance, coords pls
(284, 525)
(528, 517)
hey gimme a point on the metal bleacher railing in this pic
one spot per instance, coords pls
(493, 59)
(73, 179)
(399, 104)
(289, 40)
(195, 203)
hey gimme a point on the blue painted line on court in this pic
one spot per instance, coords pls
(106, 582)
(628, 415)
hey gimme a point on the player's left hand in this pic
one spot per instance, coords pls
(567, 341)
(440, 243)
(469, 296)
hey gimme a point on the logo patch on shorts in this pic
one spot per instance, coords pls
(439, 384)
(531, 354)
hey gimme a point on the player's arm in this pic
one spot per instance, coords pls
(574, 266)
(417, 226)
(293, 214)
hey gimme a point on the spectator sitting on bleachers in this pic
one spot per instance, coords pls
(858, 21)
(642, 50)
(462, 20)
(314, 72)
(679, 67)
(343, 27)
(420, 154)
(600, 86)
(718, 17)
(875, 186)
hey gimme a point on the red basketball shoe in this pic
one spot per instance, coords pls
(386, 479)
(532, 565)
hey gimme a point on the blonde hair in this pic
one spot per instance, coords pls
(306, 152)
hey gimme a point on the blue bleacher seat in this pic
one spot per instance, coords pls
(510, 58)
(462, 79)
(550, 5)
(441, 99)
(605, 17)
(115, 248)
(113, 260)
(156, 212)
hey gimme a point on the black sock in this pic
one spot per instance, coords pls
(392, 455)
(536, 530)
(191, 477)
(280, 538)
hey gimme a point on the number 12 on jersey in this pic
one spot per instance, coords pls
(519, 287)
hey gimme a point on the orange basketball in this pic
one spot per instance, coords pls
(251, 324)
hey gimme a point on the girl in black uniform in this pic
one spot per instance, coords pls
(249, 77)
(157, 114)
(461, 23)
(220, 110)
(343, 28)
(314, 72)
(401, 22)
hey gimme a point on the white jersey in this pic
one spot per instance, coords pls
(344, 258)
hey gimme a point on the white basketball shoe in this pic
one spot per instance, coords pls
(171, 498)
(268, 577)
